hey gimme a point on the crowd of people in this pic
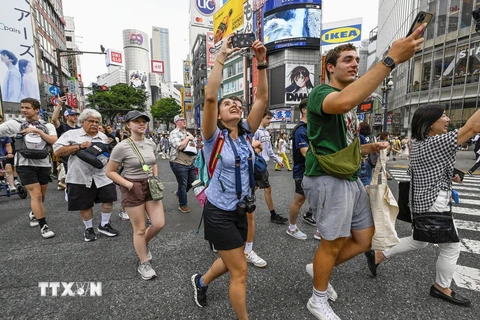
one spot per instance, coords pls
(325, 173)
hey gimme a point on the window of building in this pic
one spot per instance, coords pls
(426, 71)
(432, 7)
(69, 38)
(467, 8)
(453, 15)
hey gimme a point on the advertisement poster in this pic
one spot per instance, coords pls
(210, 45)
(138, 79)
(186, 73)
(339, 32)
(157, 66)
(114, 57)
(227, 19)
(282, 115)
(18, 67)
(299, 82)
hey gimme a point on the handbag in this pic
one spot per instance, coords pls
(190, 149)
(384, 207)
(434, 227)
(260, 166)
(342, 164)
(154, 184)
(404, 213)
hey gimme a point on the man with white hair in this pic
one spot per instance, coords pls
(87, 183)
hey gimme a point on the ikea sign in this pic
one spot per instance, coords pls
(342, 35)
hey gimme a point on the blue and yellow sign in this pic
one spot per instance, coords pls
(341, 35)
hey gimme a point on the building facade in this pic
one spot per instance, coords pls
(160, 47)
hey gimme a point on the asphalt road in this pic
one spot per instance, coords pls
(280, 291)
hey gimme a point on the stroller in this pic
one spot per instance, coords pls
(5, 188)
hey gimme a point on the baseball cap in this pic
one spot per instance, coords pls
(178, 117)
(69, 112)
(135, 114)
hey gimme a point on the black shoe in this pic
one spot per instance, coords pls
(308, 218)
(89, 235)
(278, 219)
(455, 298)
(108, 230)
(200, 293)
(370, 254)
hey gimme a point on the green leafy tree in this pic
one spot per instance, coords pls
(165, 110)
(120, 99)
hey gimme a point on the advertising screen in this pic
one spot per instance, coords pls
(297, 25)
(299, 82)
(18, 67)
(282, 115)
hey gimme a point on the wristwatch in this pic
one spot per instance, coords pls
(389, 62)
(263, 65)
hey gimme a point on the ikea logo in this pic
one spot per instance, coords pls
(341, 35)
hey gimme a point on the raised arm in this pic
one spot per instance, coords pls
(210, 110)
(471, 128)
(347, 99)
(258, 109)
(56, 112)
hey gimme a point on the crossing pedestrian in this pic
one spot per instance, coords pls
(339, 200)
(431, 169)
(230, 189)
(282, 149)
(87, 183)
(136, 197)
(33, 170)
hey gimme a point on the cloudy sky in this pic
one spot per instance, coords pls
(102, 21)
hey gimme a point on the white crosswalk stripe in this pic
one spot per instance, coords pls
(469, 208)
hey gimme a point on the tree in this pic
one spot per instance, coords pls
(120, 99)
(165, 110)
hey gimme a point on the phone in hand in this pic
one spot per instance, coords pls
(243, 40)
(421, 18)
(460, 173)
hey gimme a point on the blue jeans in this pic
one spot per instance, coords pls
(185, 176)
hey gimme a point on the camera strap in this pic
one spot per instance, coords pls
(238, 180)
(250, 168)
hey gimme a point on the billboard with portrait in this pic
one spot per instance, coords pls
(299, 82)
(292, 25)
(227, 19)
(18, 67)
(138, 79)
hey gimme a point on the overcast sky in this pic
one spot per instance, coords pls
(102, 21)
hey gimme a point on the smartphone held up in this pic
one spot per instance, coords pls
(421, 18)
(243, 40)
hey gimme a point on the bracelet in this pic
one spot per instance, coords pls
(221, 63)
(262, 66)
(79, 146)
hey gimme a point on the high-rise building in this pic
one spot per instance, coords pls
(74, 66)
(160, 50)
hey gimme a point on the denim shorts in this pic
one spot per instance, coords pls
(338, 205)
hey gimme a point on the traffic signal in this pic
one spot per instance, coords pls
(98, 87)
(104, 88)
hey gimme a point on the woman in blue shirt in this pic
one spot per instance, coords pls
(225, 224)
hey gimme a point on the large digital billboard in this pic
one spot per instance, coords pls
(227, 19)
(292, 24)
(18, 67)
(299, 82)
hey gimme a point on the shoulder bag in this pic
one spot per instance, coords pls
(154, 184)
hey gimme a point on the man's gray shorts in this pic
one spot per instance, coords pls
(338, 205)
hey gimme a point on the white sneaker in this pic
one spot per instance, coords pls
(253, 258)
(12, 188)
(33, 220)
(123, 216)
(331, 293)
(149, 255)
(317, 236)
(321, 310)
(146, 270)
(297, 234)
(46, 232)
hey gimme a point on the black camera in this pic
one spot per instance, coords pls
(247, 205)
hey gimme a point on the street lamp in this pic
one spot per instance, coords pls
(65, 53)
(386, 88)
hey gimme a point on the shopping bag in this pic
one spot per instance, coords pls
(384, 208)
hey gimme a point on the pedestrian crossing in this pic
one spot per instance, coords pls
(467, 217)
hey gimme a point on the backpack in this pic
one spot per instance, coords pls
(31, 145)
(294, 132)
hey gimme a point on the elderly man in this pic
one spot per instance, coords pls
(87, 184)
(182, 156)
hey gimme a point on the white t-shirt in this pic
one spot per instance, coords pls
(284, 145)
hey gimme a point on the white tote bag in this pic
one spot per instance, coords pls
(384, 207)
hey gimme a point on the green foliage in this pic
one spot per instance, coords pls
(120, 99)
(165, 110)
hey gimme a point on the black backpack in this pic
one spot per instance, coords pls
(31, 145)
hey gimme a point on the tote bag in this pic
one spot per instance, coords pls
(384, 208)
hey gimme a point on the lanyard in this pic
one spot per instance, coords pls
(145, 167)
(238, 181)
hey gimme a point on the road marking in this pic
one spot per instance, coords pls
(467, 211)
(469, 201)
(468, 278)
(470, 246)
(467, 225)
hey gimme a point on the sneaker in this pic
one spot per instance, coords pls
(184, 209)
(46, 232)
(61, 185)
(470, 173)
(17, 183)
(317, 236)
(33, 220)
(176, 194)
(308, 218)
(108, 230)
(278, 219)
(253, 258)
(12, 188)
(149, 255)
(123, 216)
(200, 293)
(89, 235)
(297, 234)
(321, 310)
(146, 270)
(331, 293)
